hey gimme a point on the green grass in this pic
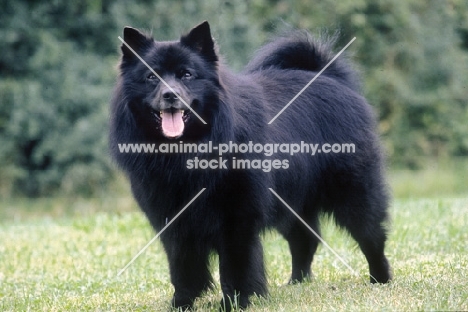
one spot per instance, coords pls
(438, 179)
(56, 261)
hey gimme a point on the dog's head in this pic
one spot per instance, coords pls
(171, 87)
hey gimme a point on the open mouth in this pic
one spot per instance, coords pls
(172, 121)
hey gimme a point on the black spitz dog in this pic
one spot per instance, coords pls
(237, 205)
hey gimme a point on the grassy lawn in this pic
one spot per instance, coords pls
(64, 254)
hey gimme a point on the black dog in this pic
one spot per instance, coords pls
(228, 217)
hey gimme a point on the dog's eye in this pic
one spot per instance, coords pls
(151, 77)
(186, 75)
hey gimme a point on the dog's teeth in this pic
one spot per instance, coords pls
(182, 111)
(160, 113)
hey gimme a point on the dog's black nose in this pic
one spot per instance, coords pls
(170, 97)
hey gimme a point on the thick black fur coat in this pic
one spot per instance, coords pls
(237, 204)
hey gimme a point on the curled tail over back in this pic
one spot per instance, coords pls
(299, 50)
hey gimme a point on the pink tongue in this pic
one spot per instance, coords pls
(172, 123)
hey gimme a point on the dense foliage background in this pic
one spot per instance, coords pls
(58, 66)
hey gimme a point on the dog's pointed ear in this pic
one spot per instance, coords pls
(136, 40)
(200, 40)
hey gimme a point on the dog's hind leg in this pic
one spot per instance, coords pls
(364, 216)
(302, 245)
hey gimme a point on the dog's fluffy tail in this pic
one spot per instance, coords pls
(299, 50)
